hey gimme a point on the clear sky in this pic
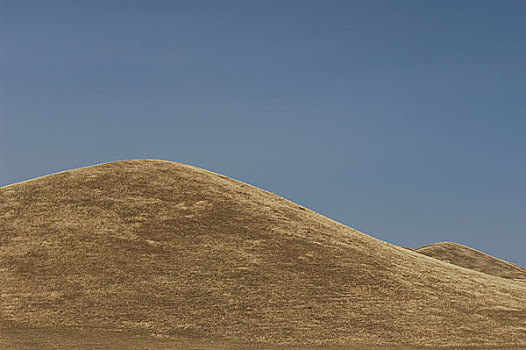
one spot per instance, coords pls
(403, 119)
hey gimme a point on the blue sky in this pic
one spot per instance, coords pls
(403, 119)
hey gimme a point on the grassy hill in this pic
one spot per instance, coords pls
(470, 258)
(147, 247)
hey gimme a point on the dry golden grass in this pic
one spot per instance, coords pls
(67, 339)
(470, 258)
(155, 248)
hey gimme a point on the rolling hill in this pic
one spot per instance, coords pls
(470, 258)
(156, 248)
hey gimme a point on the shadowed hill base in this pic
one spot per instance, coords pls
(159, 248)
(470, 258)
(67, 339)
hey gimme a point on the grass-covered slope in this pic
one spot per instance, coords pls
(161, 248)
(470, 258)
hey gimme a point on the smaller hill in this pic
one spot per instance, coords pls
(470, 258)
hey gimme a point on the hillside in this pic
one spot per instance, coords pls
(159, 248)
(470, 258)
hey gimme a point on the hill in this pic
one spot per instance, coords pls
(470, 258)
(147, 247)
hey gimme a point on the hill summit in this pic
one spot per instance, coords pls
(166, 249)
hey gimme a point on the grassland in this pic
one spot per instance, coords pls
(167, 252)
(470, 258)
(67, 339)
